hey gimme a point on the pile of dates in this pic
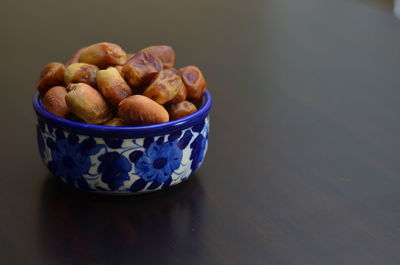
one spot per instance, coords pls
(102, 84)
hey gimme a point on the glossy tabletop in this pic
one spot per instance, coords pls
(303, 165)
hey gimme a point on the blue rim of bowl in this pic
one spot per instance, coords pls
(123, 131)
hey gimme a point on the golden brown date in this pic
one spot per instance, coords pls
(141, 68)
(140, 110)
(165, 53)
(194, 81)
(81, 73)
(115, 122)
(181, 109)
(54, 101)
(52, 75)
(112, 86)
(164, 87)
(87, 103)
(180, 96)
(103, 54)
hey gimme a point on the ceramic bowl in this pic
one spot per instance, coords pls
(123, 160)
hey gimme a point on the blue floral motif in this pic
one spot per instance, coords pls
(174, 135)
(158, 162)
(184, 141)
(114, 169)
(113, 142)
(135, 155)
(68, 162)
(198, 147)
(88, 146)
(138, 185)
(199, 126)
(147, 141)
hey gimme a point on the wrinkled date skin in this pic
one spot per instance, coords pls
(164, 87)
(103, 54)
(181, 95)
(112, 86)
(52, 75)
(194, 81)
(181, 109)
(165, 53)
(115, 122)
(87, 103)
(81, 73)
(140, 110)
(141, 68)
(54, 101)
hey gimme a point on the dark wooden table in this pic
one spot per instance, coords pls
(303, 164)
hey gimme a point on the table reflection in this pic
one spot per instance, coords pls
(75, 227)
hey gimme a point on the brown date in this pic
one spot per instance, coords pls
(165, 53)
(180, 96)
(54, 101)
(181, 109)
(81, 73)
(141, 68)
(103, 54)
(87, 103)
(140, 110)
(164, 87)
(194, 81)
(52, 75)
(112, 86)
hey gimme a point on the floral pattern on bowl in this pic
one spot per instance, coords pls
(118, 165)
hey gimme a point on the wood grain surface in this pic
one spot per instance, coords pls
(303, 160)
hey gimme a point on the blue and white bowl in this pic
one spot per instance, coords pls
(123, 160)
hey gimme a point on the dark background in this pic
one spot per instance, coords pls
(303, 161)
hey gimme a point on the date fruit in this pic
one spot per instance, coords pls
(181, 109)
(87, 103)
(112, 86)
(54, 101)
(141, 68)
(164, 87)
(194, 81)
(81, 73)
(165, 53)
(52, 75)
(103, 54)
(140, 110)
(180, 96)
